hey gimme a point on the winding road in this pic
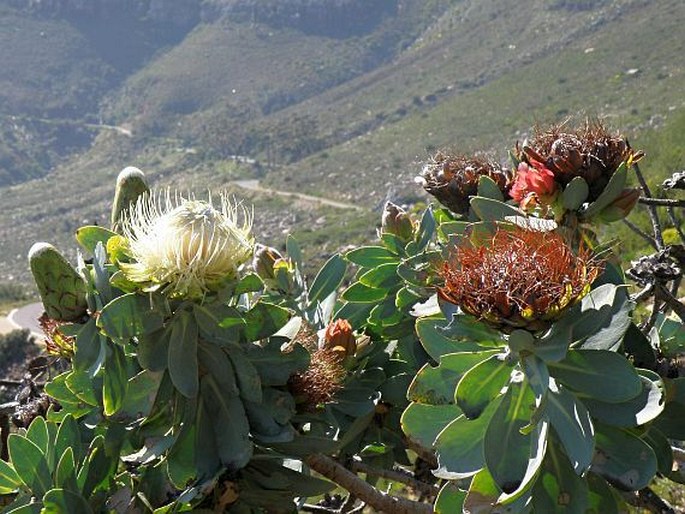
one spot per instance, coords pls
(23, 317)
(253, 185)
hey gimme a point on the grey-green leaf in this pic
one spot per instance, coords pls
(183, 355)
(599, 374)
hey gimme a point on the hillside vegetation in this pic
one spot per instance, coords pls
(309, 101)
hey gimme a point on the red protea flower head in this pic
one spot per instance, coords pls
(453, 179)
(517, 278)
(533, 184)
(591, 152)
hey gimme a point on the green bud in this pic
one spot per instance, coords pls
(61, 288)
(131, 183)
(396, 221)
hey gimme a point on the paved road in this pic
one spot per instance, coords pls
(253, 185)
(23, 317)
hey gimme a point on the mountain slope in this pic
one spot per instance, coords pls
(351, 118)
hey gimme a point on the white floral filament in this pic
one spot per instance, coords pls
(186, 246)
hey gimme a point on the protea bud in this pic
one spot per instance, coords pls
(517, 279)
(62, 290)
(185, 247)
(397, 222)
(339, 338)
(131, 183)
(263, 261)
(590, 152)
(453, 180)
(621, 207)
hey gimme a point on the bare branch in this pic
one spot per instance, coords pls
(664, 202)
(640, 233)
(348, 506)
(380, 501)
(647, 326)
(649, 500)
(676, 223)
(396, 476)
(644, 294)
(317, 508)
(653, 214)
(671, 301)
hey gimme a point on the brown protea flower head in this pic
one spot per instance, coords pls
(591, 152)
(517, 278)
(320, 381)
(453, 179)
(56, 343)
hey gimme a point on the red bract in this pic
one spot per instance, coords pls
(517, 278)
(533, 184)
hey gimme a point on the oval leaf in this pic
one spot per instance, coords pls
(573, 426)
(183, 355)
(130, 315)
(623, 459)
(30, 464)
(598, 374)
(328, 279)
(481, 384)
(460, 445)
(506, 449)
(371, 256)
(422, 423)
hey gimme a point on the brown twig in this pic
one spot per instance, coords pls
(641, 233)
(656, 308)
(671, 301)
(676, 224)
(644, 294)
(307, 507)
(396, 476)
(663, 202)
(651, 208)
(348, 506)
(649, 500)
(380, 501)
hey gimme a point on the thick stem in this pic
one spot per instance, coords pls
(380, 501)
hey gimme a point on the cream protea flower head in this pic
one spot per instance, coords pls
(184, 246)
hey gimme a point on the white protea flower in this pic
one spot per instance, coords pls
(184, 246)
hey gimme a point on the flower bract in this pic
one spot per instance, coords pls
(533, 184)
